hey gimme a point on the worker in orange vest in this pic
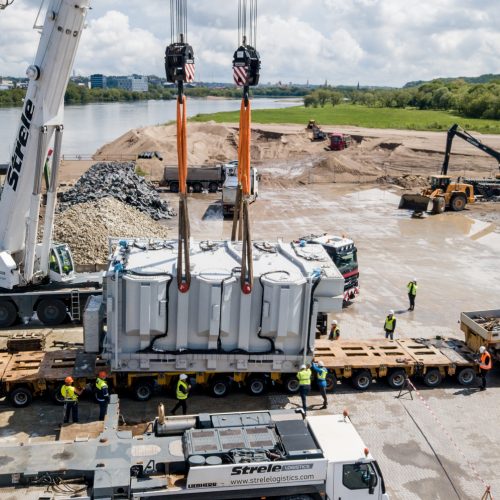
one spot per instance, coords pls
(484, 365)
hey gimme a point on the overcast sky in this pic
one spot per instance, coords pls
(375, 42)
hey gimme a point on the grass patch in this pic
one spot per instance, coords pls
(361, 116)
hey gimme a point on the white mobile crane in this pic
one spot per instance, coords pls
(40, 276)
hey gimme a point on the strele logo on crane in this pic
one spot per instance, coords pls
(16, 163)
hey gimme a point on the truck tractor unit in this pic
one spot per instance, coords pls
(276, 454)
(230, 188)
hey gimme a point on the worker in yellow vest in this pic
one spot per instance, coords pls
(390, 325)
(102, 393)
(181, 394)
(412, 293)
(485, 365)
(334, 331)
(70, 395)
(304, 378)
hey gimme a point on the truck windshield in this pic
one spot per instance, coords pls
(345, 261)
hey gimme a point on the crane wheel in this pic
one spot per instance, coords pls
(458, 202)
(8, 313)
(51, 312)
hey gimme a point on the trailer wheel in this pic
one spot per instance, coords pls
(51, 312)
(197, 187)
(466, 376)
(57, 397)
(143, 390)
(21, 397)
(256, 386)
(213, 187)
(219, 387)
(458, 202)
(396, 379)
(291, 384)
(8, 313)
(174, 187)
(433, 378)
(362, 380)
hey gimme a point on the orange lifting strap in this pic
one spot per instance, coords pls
(183, 271)
(241, 220)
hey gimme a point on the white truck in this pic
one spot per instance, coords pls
(231, 184)
(40, 277)
(275, 454)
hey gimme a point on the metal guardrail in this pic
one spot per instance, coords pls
(95, 157)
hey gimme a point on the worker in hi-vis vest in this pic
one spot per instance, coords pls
(321, 373)
(70, 395)
(334, 331)
(390, 325)
(485, 365)
(304, 378)
(412, 293)
(181, 394)
(102, 393)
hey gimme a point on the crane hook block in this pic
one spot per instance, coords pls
(246, 66)
(179, 63)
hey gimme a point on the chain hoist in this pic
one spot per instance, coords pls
(179, 68)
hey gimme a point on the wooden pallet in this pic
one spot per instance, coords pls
(4, 361)
(23, 366)
(360, 354)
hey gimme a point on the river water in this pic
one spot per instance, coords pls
(88, 127)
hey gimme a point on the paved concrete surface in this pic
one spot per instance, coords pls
(454, 257)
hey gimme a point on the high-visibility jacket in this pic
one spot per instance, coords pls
(101, 390)
(390, 323)
(304, 377)
(182, 390)
(485, 361)
(335, 333)
(68, 393)
(412, 288)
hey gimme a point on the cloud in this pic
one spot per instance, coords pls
(377, 42)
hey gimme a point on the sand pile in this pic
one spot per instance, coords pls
(87, 226)
(406, 181)
(119, 181)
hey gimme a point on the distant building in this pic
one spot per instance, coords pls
(134, 83)
(6, 84)
(98, 81)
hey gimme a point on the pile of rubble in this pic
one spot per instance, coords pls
(406, 181)
(119, 181)
(87, 226)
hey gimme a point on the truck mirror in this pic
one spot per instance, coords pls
(372, 483)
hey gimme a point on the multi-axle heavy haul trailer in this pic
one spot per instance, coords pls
(277, 454)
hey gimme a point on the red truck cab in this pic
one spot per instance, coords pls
(339, 141)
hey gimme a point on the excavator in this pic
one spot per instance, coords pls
(444, 193)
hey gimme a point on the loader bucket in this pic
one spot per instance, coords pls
(416, 202)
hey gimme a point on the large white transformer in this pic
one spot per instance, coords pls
(151, 326)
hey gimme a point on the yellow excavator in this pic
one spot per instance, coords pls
(443, 193)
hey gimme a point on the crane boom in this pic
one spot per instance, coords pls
(41, 116)
(455, 130)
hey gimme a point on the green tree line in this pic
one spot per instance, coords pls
(469, 100)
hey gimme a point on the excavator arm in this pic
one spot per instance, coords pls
(455, 130)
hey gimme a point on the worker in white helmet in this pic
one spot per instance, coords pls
(485, 365)
(390, 325)
(412, 293)
(334, 331)
(321, 373)
(182, 393)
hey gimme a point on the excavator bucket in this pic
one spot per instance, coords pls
(416, 202)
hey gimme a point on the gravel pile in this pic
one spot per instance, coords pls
(406, 181)
(120, 181)
(87, 226)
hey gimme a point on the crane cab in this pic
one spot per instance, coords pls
(61, 264)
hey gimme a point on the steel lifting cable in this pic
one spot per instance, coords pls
(179, 67)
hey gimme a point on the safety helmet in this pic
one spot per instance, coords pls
(415, 280)
(68, 380)
(303, 367)
(320, 363)
(183, 376)
(102, 374)
(334, 322)
(391, 312)
(482, 349)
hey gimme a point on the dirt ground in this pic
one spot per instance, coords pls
(450, 452)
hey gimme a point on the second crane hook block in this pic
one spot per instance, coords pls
(179, 63)
(246, 66)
